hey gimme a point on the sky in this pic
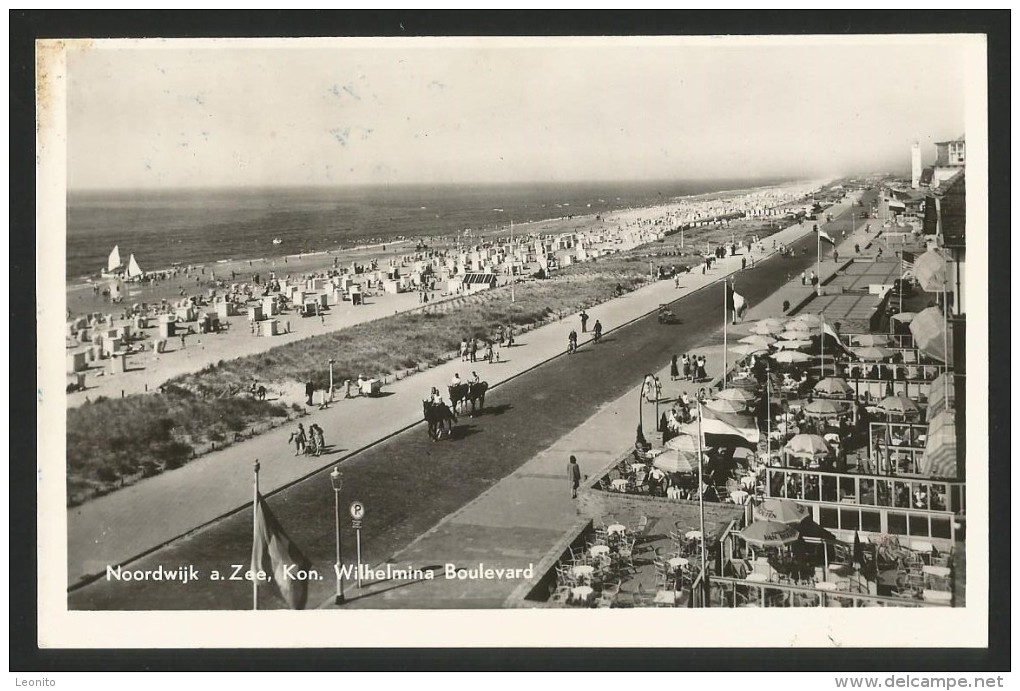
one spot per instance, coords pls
(164, 114)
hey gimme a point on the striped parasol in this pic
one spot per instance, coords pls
(937, 398)
(897, 405)
(939, 459)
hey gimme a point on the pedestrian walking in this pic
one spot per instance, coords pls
(674, 370)
(743, 263)
(309, 391)
(835, 256)
(584, 321)
(803, 278)
(183, 342)
(687, 367)
(473, 349)
(574, 476)
(299, 438)
(463, 350)
(318, 439)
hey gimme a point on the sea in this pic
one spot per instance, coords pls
(193, 227)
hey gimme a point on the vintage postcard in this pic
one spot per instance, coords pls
(616, 341)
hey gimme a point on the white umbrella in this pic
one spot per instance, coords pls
(904, 317)
(740, 395)
(769, 534)
(811, 320)
(790, 356)
(795, 335)
(758, 340)
(726, 406)
(792, 345)
(833, 386)
(765, 329)
(872, 353)
(744, 350)
(872, 340)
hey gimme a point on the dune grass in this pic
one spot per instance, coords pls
(115, 441)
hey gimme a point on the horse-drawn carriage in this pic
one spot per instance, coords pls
(667, 316)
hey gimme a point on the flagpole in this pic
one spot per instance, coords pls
(818, 262)
(726, 297)
(822, 327)
(768, 411)
(255, 537)
(701, 511)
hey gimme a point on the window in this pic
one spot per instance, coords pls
(940, 528)
(871, 521)
(884, 492)
(828, 518)
(868, 492)
(897, 523)
(850, 519)
(811, 487)
(829, 489)
(919, 526)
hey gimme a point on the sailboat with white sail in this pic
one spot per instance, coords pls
(114, 266)
(133, 270)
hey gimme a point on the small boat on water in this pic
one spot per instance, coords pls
(114, 266)
(277, 241)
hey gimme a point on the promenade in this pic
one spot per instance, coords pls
(137, 519)
(517, 521)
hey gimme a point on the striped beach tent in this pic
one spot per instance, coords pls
(939, 459)
(937, 395)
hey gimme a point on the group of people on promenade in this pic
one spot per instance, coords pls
(311, 443)
(691, 366)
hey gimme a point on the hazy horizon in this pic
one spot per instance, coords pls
(167, 115)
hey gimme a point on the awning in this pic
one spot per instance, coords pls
(930, 271)
(937, 395)
(928, 329)
(939, 459)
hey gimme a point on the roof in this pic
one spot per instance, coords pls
(471, 279)
(961, 138)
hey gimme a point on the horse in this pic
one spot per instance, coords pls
(458, 395)
(476, 394)
(258, 392)
(440, 419)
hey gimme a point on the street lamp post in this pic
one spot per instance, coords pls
(658, 428)
(336, 478)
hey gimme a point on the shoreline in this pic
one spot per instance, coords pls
(82, 282)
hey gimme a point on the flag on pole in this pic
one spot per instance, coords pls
(735, 303)
(728, 429)
(274, 553)
(825, 236)
(829, 331)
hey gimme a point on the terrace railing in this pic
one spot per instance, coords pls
(730, 592)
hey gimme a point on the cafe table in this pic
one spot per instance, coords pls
(620, 485)
(937, 571)
(677, 562)
(825, 585)
(757, 577)
(583, 571)
(582, 593)
(693, 535)
(616, 528)
(599, 550)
